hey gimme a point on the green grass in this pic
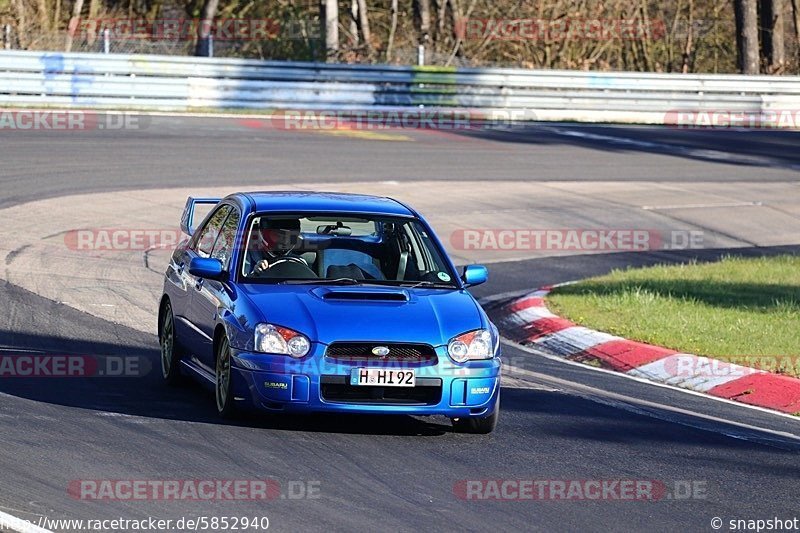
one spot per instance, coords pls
(742, 310)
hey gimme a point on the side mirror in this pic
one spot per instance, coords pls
(206, 268)
(475, 275)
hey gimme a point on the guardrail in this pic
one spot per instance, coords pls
(191, 83)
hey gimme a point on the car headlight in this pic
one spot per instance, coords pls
(475, 344)
(279, 340)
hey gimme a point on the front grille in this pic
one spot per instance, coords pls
(398, 352)
(337, 389)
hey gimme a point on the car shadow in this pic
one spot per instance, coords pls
(524, 411)
(755, 148)
(142, 393)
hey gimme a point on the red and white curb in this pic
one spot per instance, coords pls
(527, 321)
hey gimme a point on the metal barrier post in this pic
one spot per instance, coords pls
(106, 41)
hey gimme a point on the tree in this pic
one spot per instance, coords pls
(424, 13)
(44, 15)
(796, 12)
(424, 9)
(359, 22)
(22, 26)
(392, 31)
(204, 36)
(77, 7)
(330, 14)
(363, 22)
(747, 35)
(94, 6)
(772, 34)
(354, 23)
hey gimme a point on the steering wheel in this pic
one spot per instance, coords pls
(290, 259)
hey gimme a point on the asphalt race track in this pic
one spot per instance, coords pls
(558, 422)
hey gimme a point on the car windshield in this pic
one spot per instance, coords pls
(335, 249)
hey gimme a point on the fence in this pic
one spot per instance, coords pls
(189, 83)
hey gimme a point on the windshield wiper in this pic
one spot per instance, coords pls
(322, 281)
(426, 283)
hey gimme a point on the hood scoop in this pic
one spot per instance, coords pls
(369, 295)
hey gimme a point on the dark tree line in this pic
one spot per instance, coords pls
(750, 36)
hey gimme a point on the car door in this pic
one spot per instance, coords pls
(210, 297)
(201, 245)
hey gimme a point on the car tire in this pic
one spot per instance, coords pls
(478, 425)
(170, 350)
(223, 391)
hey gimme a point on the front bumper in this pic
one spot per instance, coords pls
(317, 383)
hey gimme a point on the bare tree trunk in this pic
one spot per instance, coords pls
(77, 7)
(354, 22)
(796, 12)
(645, 42)
(458, 18)
(747, 35)
(672, 37)
(440, 19)
(363, 21)
(772, 36)
(43, 11)
(204, 37)
(331, 18)
(57, 15)
(779, 35)
(424, 9)
(392, 31)
(94, 6)
(22, 23)
(687, 50)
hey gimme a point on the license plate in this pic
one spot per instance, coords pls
(383, 377)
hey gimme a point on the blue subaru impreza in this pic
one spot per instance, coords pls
(307, 301)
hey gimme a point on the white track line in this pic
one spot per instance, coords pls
(641, 380)
(701, 206)
(640, 405)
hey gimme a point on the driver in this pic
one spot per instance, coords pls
(274, 243)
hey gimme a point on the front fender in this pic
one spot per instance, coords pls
(239, 335)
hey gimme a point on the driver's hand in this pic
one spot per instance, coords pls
(261, 266)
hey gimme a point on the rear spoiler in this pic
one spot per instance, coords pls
(188, 219)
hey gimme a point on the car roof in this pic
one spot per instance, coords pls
(332, 202)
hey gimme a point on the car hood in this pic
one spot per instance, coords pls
(367, 313)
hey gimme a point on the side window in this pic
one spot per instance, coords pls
(227, 239)
(416, 252)
(207, 236)
(432, 258)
